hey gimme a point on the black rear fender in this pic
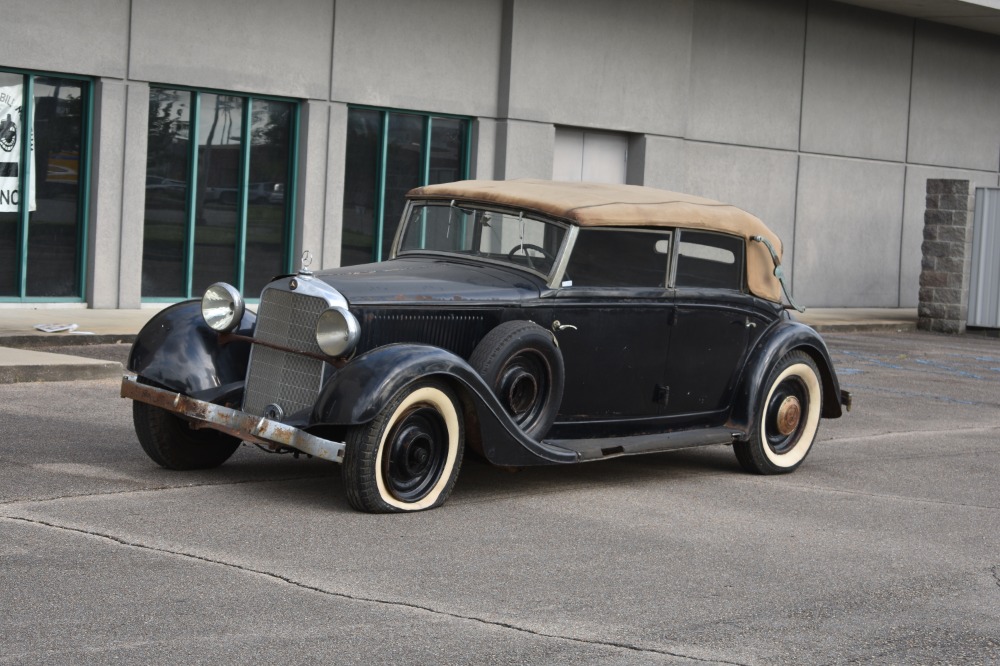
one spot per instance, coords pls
(784, 337)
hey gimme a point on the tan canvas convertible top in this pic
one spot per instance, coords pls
(604, 205)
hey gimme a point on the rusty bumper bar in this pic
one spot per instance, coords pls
(247, 427)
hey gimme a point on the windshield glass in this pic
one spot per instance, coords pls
(510, 238)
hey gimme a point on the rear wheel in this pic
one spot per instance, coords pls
(787, 418)
(172, 443)
(408, 457)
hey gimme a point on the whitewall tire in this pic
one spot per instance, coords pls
(786, 419)
(409, 456)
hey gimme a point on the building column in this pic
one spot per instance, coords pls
(320, 186)
(134, 195)
(947, 250)
(105, 214)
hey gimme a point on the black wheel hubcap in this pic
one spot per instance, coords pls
(415, 454)
(522, 388)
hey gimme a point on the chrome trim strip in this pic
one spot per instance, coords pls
(308, 285)
(559, 269)
(249, 428)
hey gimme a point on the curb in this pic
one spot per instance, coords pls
(64, 340)
(887, 327)
(62, 372)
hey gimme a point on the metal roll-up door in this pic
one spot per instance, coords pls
(984, 282)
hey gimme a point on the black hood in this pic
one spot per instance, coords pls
(427, 279)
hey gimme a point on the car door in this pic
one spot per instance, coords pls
(612, 322)
(714, 323)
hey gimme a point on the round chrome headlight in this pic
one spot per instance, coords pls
(337, 331)
(222, 307)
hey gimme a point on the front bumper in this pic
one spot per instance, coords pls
(249, 428)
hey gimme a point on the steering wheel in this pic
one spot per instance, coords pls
(524, 247)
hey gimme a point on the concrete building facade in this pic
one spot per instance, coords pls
(822, 118)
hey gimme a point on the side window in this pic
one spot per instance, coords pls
(618, 258)
(709, 260)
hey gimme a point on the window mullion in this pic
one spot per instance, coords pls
(425, 172)
(83, 215)
(291, 200)
(244, 193)
(192, 193)
(380, 198)
(24, 183)
(466, 148)
(425, 167)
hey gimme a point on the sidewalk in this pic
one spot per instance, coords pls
(21, 362)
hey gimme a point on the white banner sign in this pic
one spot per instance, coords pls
(11, 135)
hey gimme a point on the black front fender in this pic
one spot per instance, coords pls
(365, 385)
(177, 350)
(784, 337)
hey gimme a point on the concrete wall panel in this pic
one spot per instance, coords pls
(913, 223)
(746, 72)
(433, 55)
(848, 229)
(65, 36)
(251, 47)
(657, 161)
(616, 66)
(954, 119)
(524, 150)
(856, 88)
(761, 182)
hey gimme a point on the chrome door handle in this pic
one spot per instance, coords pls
(559, 326)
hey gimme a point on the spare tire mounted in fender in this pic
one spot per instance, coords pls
(520, 361)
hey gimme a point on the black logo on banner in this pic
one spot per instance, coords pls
(8, 134)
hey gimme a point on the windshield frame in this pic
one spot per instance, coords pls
(552, 277)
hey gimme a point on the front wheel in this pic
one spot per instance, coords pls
(172, 443)
(408, 457)
(787, 418)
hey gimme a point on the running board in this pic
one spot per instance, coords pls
(609, 447)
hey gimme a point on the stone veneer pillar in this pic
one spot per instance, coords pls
(947, 251)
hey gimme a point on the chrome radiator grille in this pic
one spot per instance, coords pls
(289, 380)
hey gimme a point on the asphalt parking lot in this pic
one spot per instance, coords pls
(884, 548)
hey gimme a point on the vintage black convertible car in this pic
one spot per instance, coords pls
(533, 322)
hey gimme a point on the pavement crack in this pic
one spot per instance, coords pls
(996, 574)
(149, 489)
(363, 599)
